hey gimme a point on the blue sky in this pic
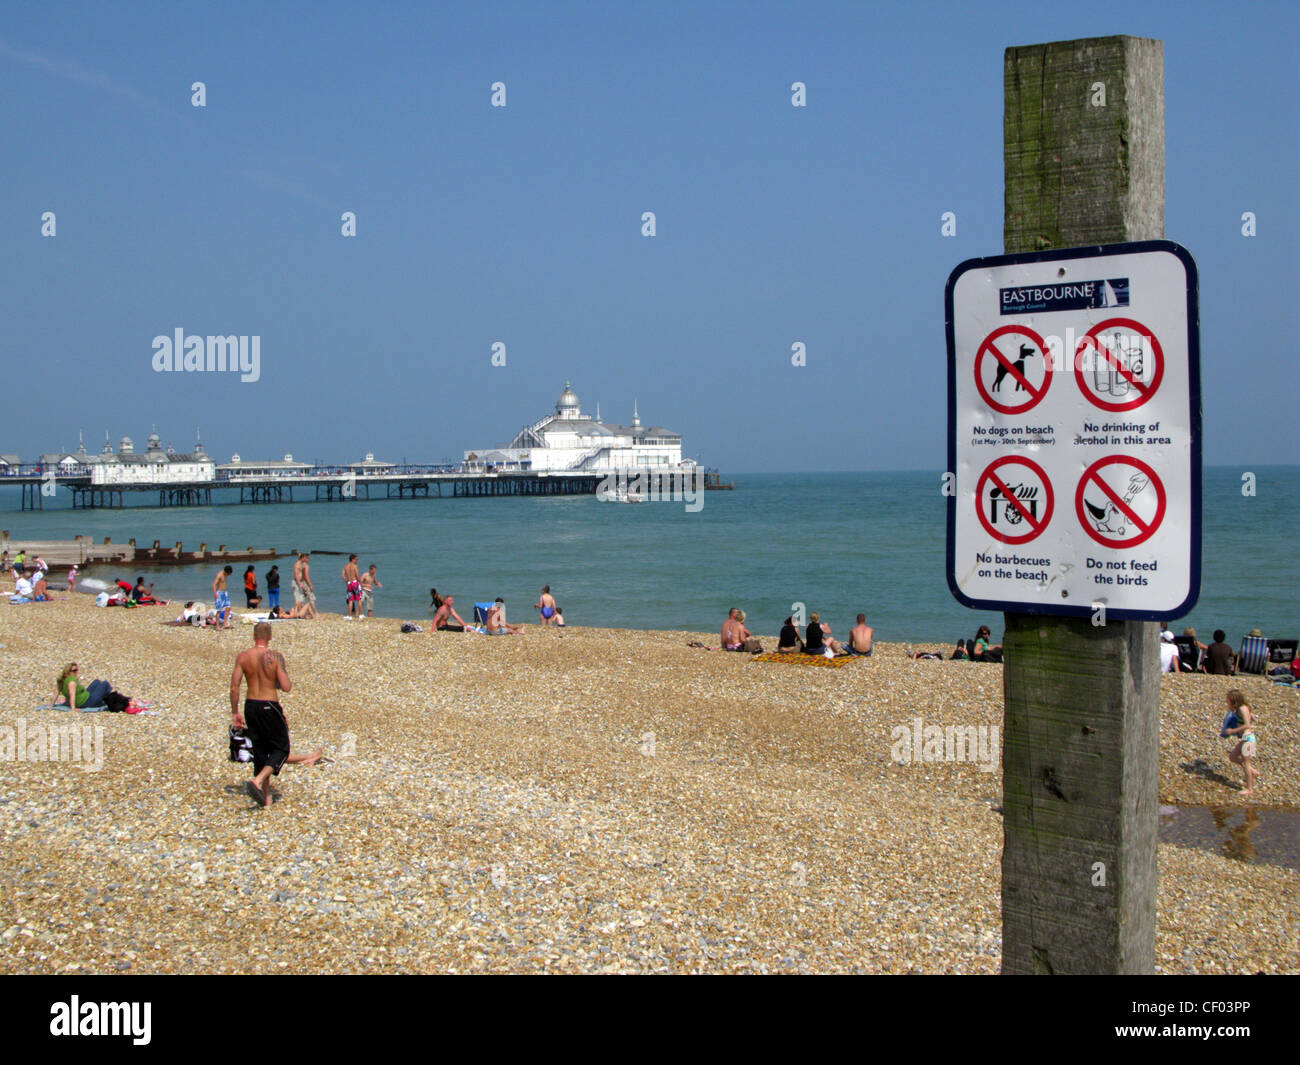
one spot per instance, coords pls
(522, 224)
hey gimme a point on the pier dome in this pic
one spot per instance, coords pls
(567, 405)
(126, 447)
(154, 443)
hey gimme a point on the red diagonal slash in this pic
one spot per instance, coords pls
(1011, 369)
(1008, 495)
(1123, 507)
(1113, 360)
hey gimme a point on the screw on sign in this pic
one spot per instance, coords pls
(1126, 365)
(1120, 501)
(1013, 499)
(1009, 357)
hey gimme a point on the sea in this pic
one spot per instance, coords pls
(838, 543)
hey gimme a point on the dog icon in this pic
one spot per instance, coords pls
(1025, 352)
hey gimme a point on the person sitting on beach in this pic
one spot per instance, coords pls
(142, 596)
(1219, 657)
(735, 637)
(982, 652)
(40, 594)
(496, 621)
(559, 617)
(819, 638)
(1169, 661)
(546, 605)
(23, 588)
(441, 620)
(789, 642)
(861, 637)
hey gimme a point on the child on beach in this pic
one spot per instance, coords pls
(1240, 723)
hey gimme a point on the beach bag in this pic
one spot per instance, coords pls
(101, 599)
(1230, 721)
(241, 747)
(752, 646)
(116, 702)
(408, 627)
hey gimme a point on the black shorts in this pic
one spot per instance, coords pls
(269, 733)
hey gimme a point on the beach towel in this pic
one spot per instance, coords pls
(800, 659)
(78, 709)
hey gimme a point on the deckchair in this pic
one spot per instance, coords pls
(1254, 655)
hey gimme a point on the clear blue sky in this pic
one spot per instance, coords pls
(522, 225)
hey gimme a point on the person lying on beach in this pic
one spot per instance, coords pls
(496, 621)
(99, 693)
(297, 612)
(960, 654)
(445, 612)
(789, 642)
(267, 674)
(861, 637)
(927, 656)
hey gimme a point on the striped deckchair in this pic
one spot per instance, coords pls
(1254, 655)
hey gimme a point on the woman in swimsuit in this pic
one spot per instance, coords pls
(1243, 753)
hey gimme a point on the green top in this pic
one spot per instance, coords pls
(81, 695)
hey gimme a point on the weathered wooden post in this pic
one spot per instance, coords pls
(1083, 131)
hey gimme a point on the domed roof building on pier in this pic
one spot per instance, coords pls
(571, 440)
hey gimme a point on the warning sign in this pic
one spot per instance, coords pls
(1122, 444)
(1120, 501)
(1119, 364)
(1014, 500)
(1013, 369)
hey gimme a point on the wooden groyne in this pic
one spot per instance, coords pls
(83, 551)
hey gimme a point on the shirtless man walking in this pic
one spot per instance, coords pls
(268, 729)
(303, 593)
(221, 597)
(352, 579)
(369, 582)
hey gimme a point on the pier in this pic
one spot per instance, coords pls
(321, 484)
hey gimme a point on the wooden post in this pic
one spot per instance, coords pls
(1083, 149)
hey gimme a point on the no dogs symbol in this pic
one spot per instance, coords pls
(1013, 499)
(1120, 501)
(1013, 369)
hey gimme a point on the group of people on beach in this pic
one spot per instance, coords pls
(736, 637)
(493, 622)
(28, 587)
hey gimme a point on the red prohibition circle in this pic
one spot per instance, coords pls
(1009, 370)
(1148, 529)
(1036, 526)
(1091, 338)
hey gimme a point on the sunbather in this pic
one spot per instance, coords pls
(71, 692)
(441, 620)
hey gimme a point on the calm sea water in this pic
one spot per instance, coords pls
(840, 543)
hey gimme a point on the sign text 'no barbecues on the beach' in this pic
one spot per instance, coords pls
(1074, 432)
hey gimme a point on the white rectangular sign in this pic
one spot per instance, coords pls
(1074, 425)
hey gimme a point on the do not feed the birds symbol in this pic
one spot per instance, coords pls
(1120, 501)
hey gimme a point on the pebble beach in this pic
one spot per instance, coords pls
(584, 800)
